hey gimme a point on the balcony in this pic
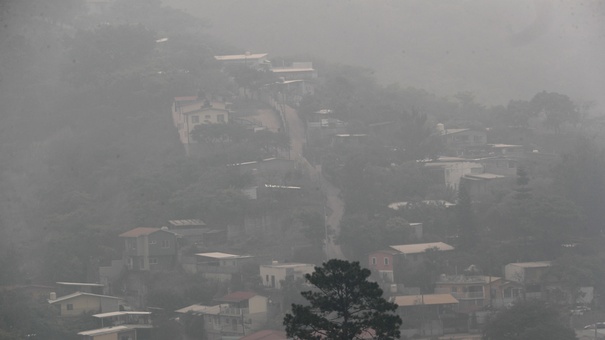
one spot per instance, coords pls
(233, 311)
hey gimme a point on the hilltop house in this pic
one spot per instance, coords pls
(78, 303)
(149, 249)
(473, 292)
(189, 112)
(120, 325)
(217, 265)
(275, 273)
(529, 275)
(245, 312)
(296, 71)
(384, 263)
(460, 140)
(429, 315)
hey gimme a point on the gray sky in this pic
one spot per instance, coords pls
(499, 50)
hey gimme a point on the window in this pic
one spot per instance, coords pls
(69, 306)
(220, 118)
(153, 241)
(153, 260)
(207, 117)
(373, 260)
(165, 244)
(132, 244)
(267, 278)
(454, 290)
(386, 261)
(477, 139)
(195, 119)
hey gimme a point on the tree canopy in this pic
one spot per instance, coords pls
(528, 320)
(344, 305)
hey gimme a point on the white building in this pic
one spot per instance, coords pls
(275, 273)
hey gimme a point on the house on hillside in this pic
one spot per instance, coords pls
(416, 253)
(245, 312)
(448, 171)
(473, 292)
(485, 183)
(529, 275)
(119, 326)
(217, 265)
(296, 71)
(209, 317)
(149, 249)
(189, 112)
(387, 264)
(460, 140)
(79, 303)
(428, 315)
(275, 273)
(196, 232)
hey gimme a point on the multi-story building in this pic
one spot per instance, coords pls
(149, 249)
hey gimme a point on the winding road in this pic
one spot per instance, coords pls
(334, 206)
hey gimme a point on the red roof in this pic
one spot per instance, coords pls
(136, 232)
(237, 297)
(266, 335)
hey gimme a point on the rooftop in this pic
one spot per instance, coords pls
(201, 309)
(106, 330)
(537, 264)
(421, 247)
(467, 279)
(136, 232)
(110, 314)
(180, 223)
(426, 299)
(77, 294)
(286, 265)
(483, 176)
(220, 256)
(247, 56)
(80, 284)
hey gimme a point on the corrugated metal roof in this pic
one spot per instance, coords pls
(110, 314)
(421, 247)
(201, 309)
(106, 330)
(426, 299)
(76, 294)
(240, 57)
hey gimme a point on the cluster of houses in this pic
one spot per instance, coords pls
(294, 82)
(459, 303)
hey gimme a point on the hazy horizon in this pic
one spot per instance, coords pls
(495, 49)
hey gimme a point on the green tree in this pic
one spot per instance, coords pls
(344, 306)
(532, 319)
(557, 108)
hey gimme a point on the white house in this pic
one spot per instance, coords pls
(275, 273)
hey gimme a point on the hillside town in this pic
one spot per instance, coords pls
(275, 166)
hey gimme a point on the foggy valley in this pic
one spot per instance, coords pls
(220, 170)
